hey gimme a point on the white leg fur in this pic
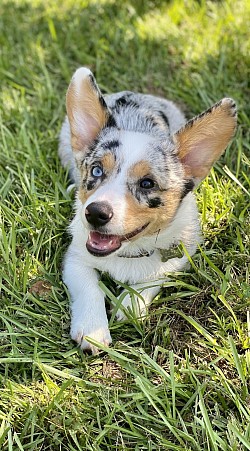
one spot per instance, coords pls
(139, 306)
(89, 317)
(148, 290)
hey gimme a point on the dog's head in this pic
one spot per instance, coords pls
(132, 182)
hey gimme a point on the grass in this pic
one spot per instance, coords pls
(180, 380)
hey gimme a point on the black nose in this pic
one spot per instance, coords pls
(98, 213)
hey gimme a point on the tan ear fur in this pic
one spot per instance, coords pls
(85, 108)
(203, 139)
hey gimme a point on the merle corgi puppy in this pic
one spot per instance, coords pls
(135, 162)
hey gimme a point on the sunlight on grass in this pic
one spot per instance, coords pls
(182, 20)
(180, 379)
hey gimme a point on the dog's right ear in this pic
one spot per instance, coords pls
(86, 109)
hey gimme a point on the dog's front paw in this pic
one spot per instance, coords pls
(135, 305)
(98, 333)
(131, 306)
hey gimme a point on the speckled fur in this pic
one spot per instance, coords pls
(133, 136)
(139, 113)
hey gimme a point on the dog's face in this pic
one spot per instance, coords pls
(130, 187)
(132, 183)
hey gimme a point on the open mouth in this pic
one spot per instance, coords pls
(102, 244)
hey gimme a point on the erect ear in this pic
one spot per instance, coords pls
(86, 109)
(203, 139)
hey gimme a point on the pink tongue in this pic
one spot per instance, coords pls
(102, 242)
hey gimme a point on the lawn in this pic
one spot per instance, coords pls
(179, 380)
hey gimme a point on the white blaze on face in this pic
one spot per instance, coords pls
(135, 146)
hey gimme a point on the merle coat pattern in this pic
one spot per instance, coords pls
(135, 162)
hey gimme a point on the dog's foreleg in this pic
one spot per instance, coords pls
(137, 303)
(136, 300)
(89, 318)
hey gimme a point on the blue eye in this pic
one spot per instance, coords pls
(97, 171)
(147, 183)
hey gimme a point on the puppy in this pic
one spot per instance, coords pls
(135, 161)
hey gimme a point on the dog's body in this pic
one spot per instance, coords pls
(135, 163)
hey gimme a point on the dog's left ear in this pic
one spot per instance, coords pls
(203, 139)
(86, 109)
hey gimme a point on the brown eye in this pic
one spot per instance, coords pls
(147, 183)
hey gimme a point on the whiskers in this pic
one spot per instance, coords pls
(156, 238)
